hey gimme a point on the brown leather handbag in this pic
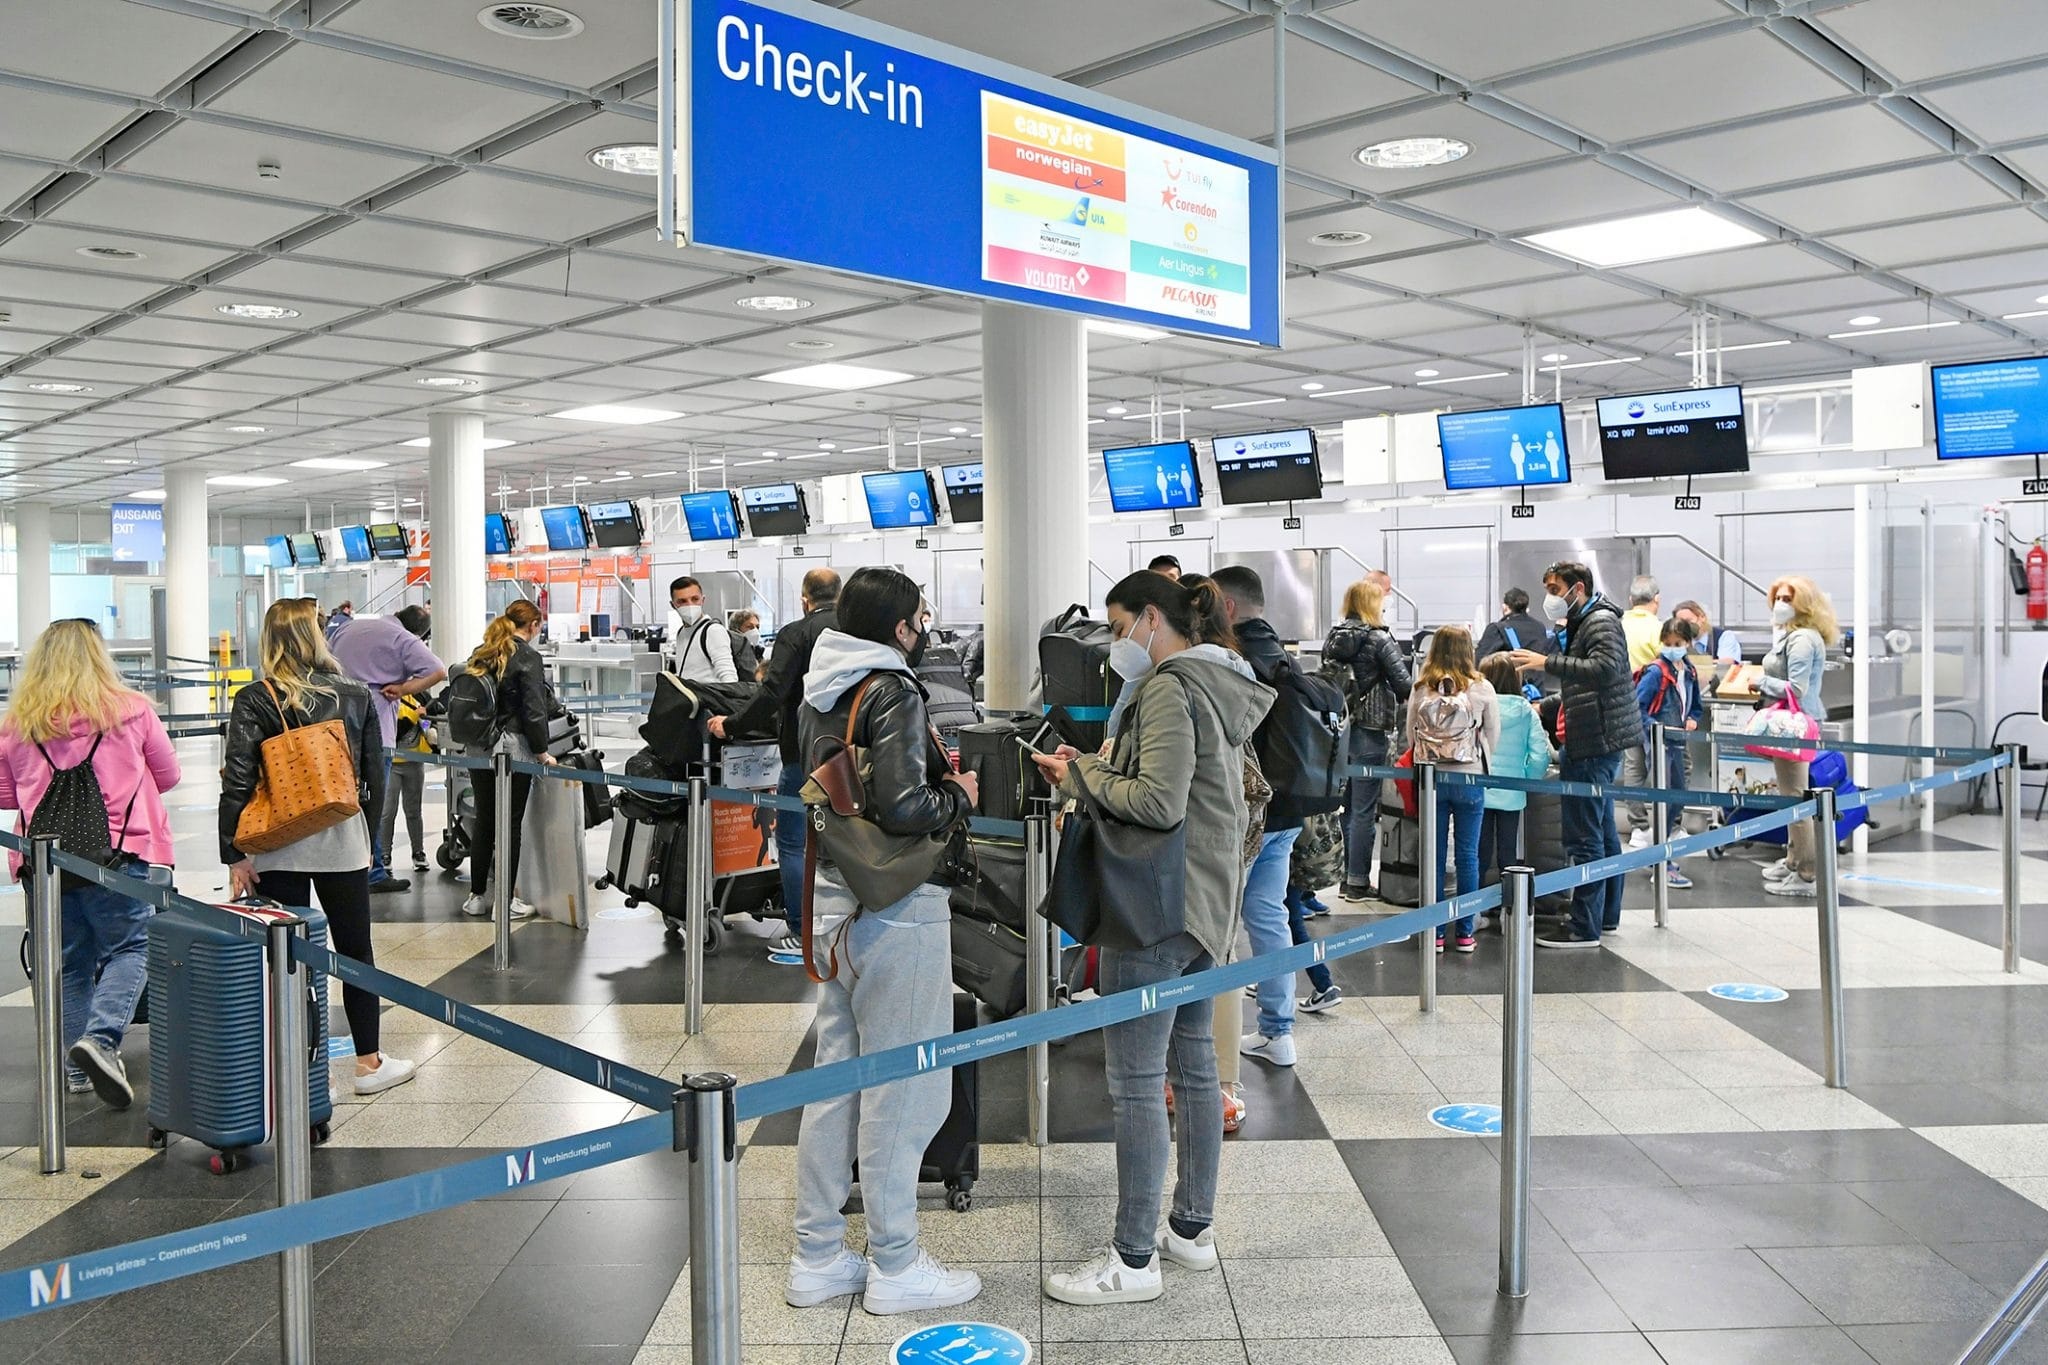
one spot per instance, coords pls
(309, 784)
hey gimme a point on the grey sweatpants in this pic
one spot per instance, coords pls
(895, 986)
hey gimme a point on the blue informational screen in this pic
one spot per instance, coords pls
(711, 516)
(1504, 447)
(280, 548)
(900, 499)
(1992, 409)
(355, 544)
(1156, 478)
(564, 527)
(138, 534)
(497, 536)
(835, 141)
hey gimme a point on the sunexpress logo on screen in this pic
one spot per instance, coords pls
(836, 81)
(1676, 407)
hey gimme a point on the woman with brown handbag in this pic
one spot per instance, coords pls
(280, 745)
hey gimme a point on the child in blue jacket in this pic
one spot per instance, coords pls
(1668, 694)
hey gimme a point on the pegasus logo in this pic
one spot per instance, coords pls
(45, 1289)
(518, 1169)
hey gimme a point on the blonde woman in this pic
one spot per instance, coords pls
(1454, 722)
(1377, 690)
(71, 711)
(1802, 627)
(303, 685)
(525, 702)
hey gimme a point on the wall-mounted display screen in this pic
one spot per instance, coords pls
(615, 525)
(714, 515)
(963, 492)
(1504, 447)
(497, 534)
(389, 541)
(306, 549)
(1996, 408)
(1268, 466)
(1155, 478)
(564, 527)
(355, 543)
(1674, 435)
(280, 548)
(776, 509)
(900, 499)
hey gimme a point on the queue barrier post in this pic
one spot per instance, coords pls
(2009, 796)
(705, 1129)
(1660, 817)
(1427, 816)
(501, 884)
(1039, 960)
(1827, 884)
(1517, 918)
(697, 903)
(46, 921)
(291, 1129)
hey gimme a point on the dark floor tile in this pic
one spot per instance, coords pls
(1922, 1343)
(1998, 1266)
(1942, 1103)
(658, 1175)
(485, 1233)
(1973, 1208)
(1644, 1218)
(1413, 1164)
(1578, 1348)
(1463, 1218)
(1796, 1215)
(531, 1311)
(1587, 1163)
(1678, 1291)
(1760, 1346)
(206, 1317)
(1984, 922)
(1855, 1285)
(531, 1354)
(610, 1232)
(1461, 1293)
(1822, 1157)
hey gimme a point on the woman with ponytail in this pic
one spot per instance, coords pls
(525, 701)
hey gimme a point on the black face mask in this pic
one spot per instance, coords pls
(916, 653)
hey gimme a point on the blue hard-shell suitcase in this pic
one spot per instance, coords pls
(209, 1035)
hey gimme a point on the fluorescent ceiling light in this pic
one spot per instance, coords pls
(1427, 374)
(1164, 412)
(862, 450)
(256, 312)
(1247, 403)
(1117, 411)
(426, 442)
(661, 473)
(1127, 331)
(150, 495)
(618, 415)
(1556, 358)
(841, 378)
(117, 462)
(628, 158)
(1865, 320)
(1885, 331)
(1346, 393)
(617, 478)
(1462, 378)
(1413, 153)
(248, 431)
(1596, 364)
(445, 381)
(957, 431)
(339, 464)
(243, 481)
(827, 445)
(1644, 237)
(2037, 313)
(1745, 346)
(773, 303)
(59, 386)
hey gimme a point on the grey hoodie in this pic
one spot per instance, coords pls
(1179, 757)
(838, 663)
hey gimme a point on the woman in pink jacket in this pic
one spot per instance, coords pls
(71, 710)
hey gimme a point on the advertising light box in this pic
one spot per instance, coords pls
(1504, 447)
(900, 500)
(1987, 410)
(1154, 478)
(1268, 466)
(712, 516)
(810, 135)
(1674, 435)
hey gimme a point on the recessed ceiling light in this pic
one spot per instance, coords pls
(1125, 330)
(1886, 331)
(514, 403)
(248, 431)
(811, 344)
(1340, 237)
(1311, 387)
(243, 481)
(1556, 358)
(1117, 411)
(957, 431)
(256, 312)
(619, 415)
(537, 23)
(445, 381)
(827, 445)
(150, 495)
(340, 464)
(1427, 374)
(842, 378)
(117, 462)
(628, 158)
(773, 303)
(426, 443)
(623, 472)
(109, 253)
(59, 386)
(1865, 320)
(1643, 237)
(1413, 153)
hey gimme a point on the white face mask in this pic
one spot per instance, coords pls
(1555, 607)
(754, 638)
(1129, 659)
(1781, 614)
(691, 614)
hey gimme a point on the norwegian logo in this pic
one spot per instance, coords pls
(518, 1169)
(52, 1288)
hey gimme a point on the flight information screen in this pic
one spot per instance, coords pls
(1674, 435)
(1154, 478)
(1984, 411)
(1504, 447)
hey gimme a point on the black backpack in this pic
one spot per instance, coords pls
(1301, 742)
(74, 812)
(472, 702)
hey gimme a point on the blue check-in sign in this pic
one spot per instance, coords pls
(1747, 993)
(1475, 1120)
(962, 1343)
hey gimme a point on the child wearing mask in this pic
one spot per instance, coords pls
(1668, 694)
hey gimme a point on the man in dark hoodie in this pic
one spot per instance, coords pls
(1590, 663)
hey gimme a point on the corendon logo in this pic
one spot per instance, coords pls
(1171, 198)
(52, 1288)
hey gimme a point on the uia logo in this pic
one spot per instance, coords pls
(518, 1169)
(52, 1288)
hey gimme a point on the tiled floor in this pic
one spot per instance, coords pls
(1700, 1195)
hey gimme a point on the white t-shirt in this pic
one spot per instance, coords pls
(703, 653)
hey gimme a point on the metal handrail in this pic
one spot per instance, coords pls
(1720, 563)
(2011, 1321)
(1414, 607)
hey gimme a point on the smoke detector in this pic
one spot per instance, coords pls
(109, 253)
(538, 23)
(1340, 237)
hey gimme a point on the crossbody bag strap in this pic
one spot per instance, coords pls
(811, 855)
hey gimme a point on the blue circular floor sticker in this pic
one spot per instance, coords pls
(962, 1343)
(1747, 993)
(1479, 1120)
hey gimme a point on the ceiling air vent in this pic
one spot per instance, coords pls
(539, 22)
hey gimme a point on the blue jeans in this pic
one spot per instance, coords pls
(1459, 812)
(1362, 806)
(380, 851)
(789, 848)
(1590, 835)
(106, 936)
(1297, 933)
(1265, 922)
(1138, 1054)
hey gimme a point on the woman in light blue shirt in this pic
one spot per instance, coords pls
(1805, 626)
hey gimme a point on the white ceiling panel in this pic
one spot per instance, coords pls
(71, 42)
(2029, 161)
(618, 36)
(80, 287)
(1390, 233)
(1629, 98)
(1742, 268)
(1880, 198)
(57, 244)
(122, 202)
(428, 330)
(1311, 296)
(1847, 292)
(1793, 148)
(357, 287)
(1537, 299)
(19, 178)
(226, 157)
(1983, 272)
(298, 367)
(55, 127)
(113, 348)
(309, 86)
(1462, 267)
(603, 275)
(1230, 86)
(497, 203)
(505, 364)
(1914, 41)
(1054, 37)
(502, 303)
(2000, 230)
(587, 348)
(1483, 39)
(566, 154)
(407, 246)
(1581, 191)
(1495, 146)
(359, 350)
(204, 306)
(672, 325)
(1397, 320)
(2001, 109)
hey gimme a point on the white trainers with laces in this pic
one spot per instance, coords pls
(924, 1283)
(477, 907)
(809, 1285)
(1194, 1253)
(1279, 1051)
(390, 1073)
(1104, 1278)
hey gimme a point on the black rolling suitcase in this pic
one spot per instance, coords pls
(1009, 781)
(988, 926)
(597, 804)
(1074, 675)
(953, 1158)
(1400, 840)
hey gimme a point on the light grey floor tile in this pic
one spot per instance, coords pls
(1325, 1297)
(1429, 1350)
(1292, 1226)
(1195, 1307)
(1803, 1108)
(1668, 1111)
(1010, 1297)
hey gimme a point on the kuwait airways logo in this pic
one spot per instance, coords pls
(1635, 409)
(51, 1288)
(518, 1169)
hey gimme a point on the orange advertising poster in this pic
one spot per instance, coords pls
(738, 844)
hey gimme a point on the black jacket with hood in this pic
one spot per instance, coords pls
(1372, 656)
(1590, 664)
(907, 788)
(774, 708)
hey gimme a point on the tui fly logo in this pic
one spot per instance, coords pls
(52, 1288)
(518, 1169)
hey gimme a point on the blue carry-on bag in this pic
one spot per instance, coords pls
(209, 1034)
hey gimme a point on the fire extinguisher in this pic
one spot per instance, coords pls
(2037, 584)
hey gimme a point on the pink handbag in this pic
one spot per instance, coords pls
(1782, 730)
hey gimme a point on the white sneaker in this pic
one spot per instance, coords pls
(391, 1072)
(521, 910)
(1778, 871)
(809, 1285)
(1279, 1051)
(1195, 1253)
(1639, 838)
(1794, 885)
(477, 907)
(924, 1283)
(1104, 1278)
